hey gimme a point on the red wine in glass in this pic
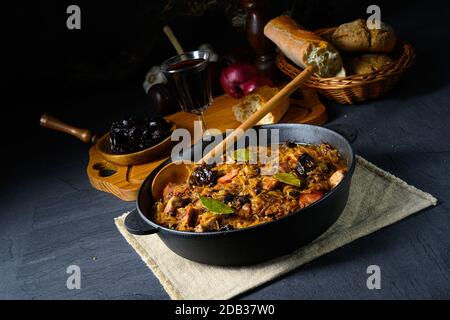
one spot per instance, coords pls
(189, 79)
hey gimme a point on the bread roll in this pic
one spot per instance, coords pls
(303, 47)
(352, 37)
(367, 63)
(382, 40)
(355, 36)
(254, 101)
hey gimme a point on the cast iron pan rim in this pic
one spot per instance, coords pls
(266, 224)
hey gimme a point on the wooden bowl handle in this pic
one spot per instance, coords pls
(50, 122)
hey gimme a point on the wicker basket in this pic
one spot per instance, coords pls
(356, 88)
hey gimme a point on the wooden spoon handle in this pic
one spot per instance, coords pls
(176, 44)
(50, 122)
(265, 109)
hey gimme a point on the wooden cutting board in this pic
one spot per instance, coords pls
(124, 181)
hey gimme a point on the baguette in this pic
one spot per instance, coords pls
(303, 47)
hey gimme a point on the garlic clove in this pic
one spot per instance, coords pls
(153, 76)
(213, 56)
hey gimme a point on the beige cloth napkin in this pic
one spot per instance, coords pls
(377, 199)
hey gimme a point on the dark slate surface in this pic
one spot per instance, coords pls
(51, 218)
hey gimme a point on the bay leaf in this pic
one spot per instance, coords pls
(288, 178)
(215, 206)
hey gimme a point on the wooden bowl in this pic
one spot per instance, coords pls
(103, 144)
(104, 148)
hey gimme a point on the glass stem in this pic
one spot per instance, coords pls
(202, 120)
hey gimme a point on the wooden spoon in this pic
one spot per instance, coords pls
(177, 172)
(103, 145)
(173, 39)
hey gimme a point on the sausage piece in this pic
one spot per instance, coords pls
(309, 198)
(269, 183)
(228, 177)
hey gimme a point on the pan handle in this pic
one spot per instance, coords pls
(135, 224)
(50, 122)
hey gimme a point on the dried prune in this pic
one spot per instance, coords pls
(305, 164)
(203, 175)
(236, 201)
(242, 199)
(228, 198)
(132, 134)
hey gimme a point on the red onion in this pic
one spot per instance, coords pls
(254, 83)
(240, 79)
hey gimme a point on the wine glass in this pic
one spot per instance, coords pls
(189, 78)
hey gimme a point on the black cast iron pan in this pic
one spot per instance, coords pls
(264, 241)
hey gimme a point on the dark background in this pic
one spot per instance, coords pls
(52, 68)
(56, 70)
(50, 216)
(119, 42)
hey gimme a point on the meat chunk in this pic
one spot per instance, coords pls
(173, 189)
(168, 191)
(172, 205)
(228, 177)
(269, 183)
(246, 210)
(309, 198)
(284, 167)
(189, 216)
(336, 177)
(208, 224)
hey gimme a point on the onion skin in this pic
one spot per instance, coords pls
(254, 83)
(234, 75)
